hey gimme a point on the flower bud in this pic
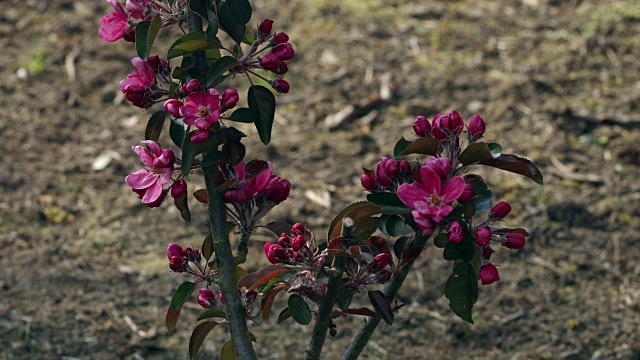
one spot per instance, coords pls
(137, 8)
(207, 299)
(230, 98)
(277, 189)
(476, 127)
(298, 242)
(405, 167)
(483, 236)
(437, 128)
(383, 276)
(500, 210)
(174, 249)
(282, 69)
(265, 26)
(368, 182)
(441, 165)
(270, 62)
(514, 241)
(379, 262)
(283, 51)
(486, 252)
(178, 188)
(453, 122)
(456, 232)
(177, 263)
(173, 107)
(298, 228)
(251, 296)
(284, 240)
(466, 195)
(386, 169)
(221, 297)
(280, 85)
(165, 160)
(275, 253)
(489, 274)
(279, 38)
(192, 86)
(200, 136)
(422, 127)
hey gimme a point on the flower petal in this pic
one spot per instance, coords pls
(153, 192)
(452, 189)
(112, 27)
(141, 179)
(145, 155)
(430, 179)
(154, 146)
(410, 194)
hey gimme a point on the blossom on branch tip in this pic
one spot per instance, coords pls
(283, 51)
(140, 87)
(440, 165)
(476, 127)
(230, 98)
(201, 109)
(483, 236)
(178, 188)
(173, 107)
(275, 253)
(500, 210)
(191, 86)
(280, 85)
(445, 126)
(379, 262)
(422, 127)
(467, 194)
(514, 241)
(148, 184)
(277, 189)
(368, 182)
(115, 25)
(207, 299)
(265, 26)
(385, 170)
(280, 38)
(455, 232)
(177, 262)
(270, 62)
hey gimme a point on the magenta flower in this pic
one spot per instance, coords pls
(201, 109)
(429, 198)
(138, 9)
(483, 236)
(249, 188)
(230, 98)
(138, 85)
(148, 183)
(456, 232)
(207, 299)
(277, 189)
(115, 25)
(441, 165)
(422, 127)
(279, 38)
(280, 85)
(387, 168)
(489, 274)
(265, 26)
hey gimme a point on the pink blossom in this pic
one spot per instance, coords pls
(489, 274)
(476, 127)
(467, 194)
(207, 299)
(446, 125)
(249, 188)
(178, 188)
(283, 51)
(486, 252)
(387, 168)
(368, 182)
(137, 86)
(280, 85)
(455, 233)
(282, 69)
(428, 197)
(298, 242)
(500, 210)
(177, 262)
(148, 184)
(200, 136)
(201, 109)
(298, 228)
(483, 236)
(514, 241)
(441, 165)
(115, 25)
(230, 98)
(137, 9)
(270, 62)
(279, 38)
(379, 262)
(265, 26)
(275, 253)
(192, 85)
(277, 189)
(421, 126)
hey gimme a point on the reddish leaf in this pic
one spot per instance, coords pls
(516, 164)
(380, 244)
(255, 167)
(261, 276)
(284, 315)
(382, 305)
(172, 319)
(335, 243)
(422, 146)
(207, 247)
(228, 352)
(201, 196)
(267, 300)
(338, 218)
(360, 215)
(409, 255)
(279, 227)
(198, 335)
(364, 311)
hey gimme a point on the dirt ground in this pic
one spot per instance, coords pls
(83, 270)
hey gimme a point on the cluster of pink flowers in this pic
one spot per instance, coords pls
(294, 248)
(148, 83)
(149, 183)
(186, 260)
(389, 174)
(446, 127)
(201, 109)
(119, 25)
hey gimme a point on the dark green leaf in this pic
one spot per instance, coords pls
(212, 313)
(365, 228)
(198, 335)
(382, 305)
(481, 196)
(207, 247)
(342, 214)
(300, 310)
(516, 164)
(441, 240)
(241, 10)
(232, 27)
(278, 227)
(393, 224)
(400, 245)
(248, 36)
(177, 129)
(154, 126)
(462, 290)
(233, 151)
(146, 32)
(188, 154)
(211, 158)
(422, 146)
(182, 294)
(172, 319)
(262, 105)
(182, 204)
(199, 7)
(479, 151)
(212, 28)
(284, 315)
(400, 147)
(242, 115)
(218, 68)
(192, 42)
(389, 202)
(345, 294)
(463, 250)
(228, 352)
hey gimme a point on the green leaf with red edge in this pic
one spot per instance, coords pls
(212, 313)
(382, 305)
(201, 196)
(227, 20)
(390, 203)
(477, 152)
(261, 276)
(172, 319)
(380, 244)
(228, 352)
(338, 218)
(363, 311)
(207, 246)
(345, 295)
(400, 147)
(409, 255)
(364, 224)
(278, 227)
(516, 164)
(198, 335)
(218, 68)
(199, 7)
(400, 245)
(190, 43)
(146, 32)
(183, 206)
(155, 125)
(284, 315)
(182, 294)
(462, 290)
(267, 300)
(391, 225)
(300, 311)
(365, 228)
(422, 146)
(242, 115)
(262, 105)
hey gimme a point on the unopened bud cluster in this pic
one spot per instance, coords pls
(368, 270)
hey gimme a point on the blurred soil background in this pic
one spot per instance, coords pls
(83, 271)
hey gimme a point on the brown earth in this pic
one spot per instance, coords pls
(84, 275)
